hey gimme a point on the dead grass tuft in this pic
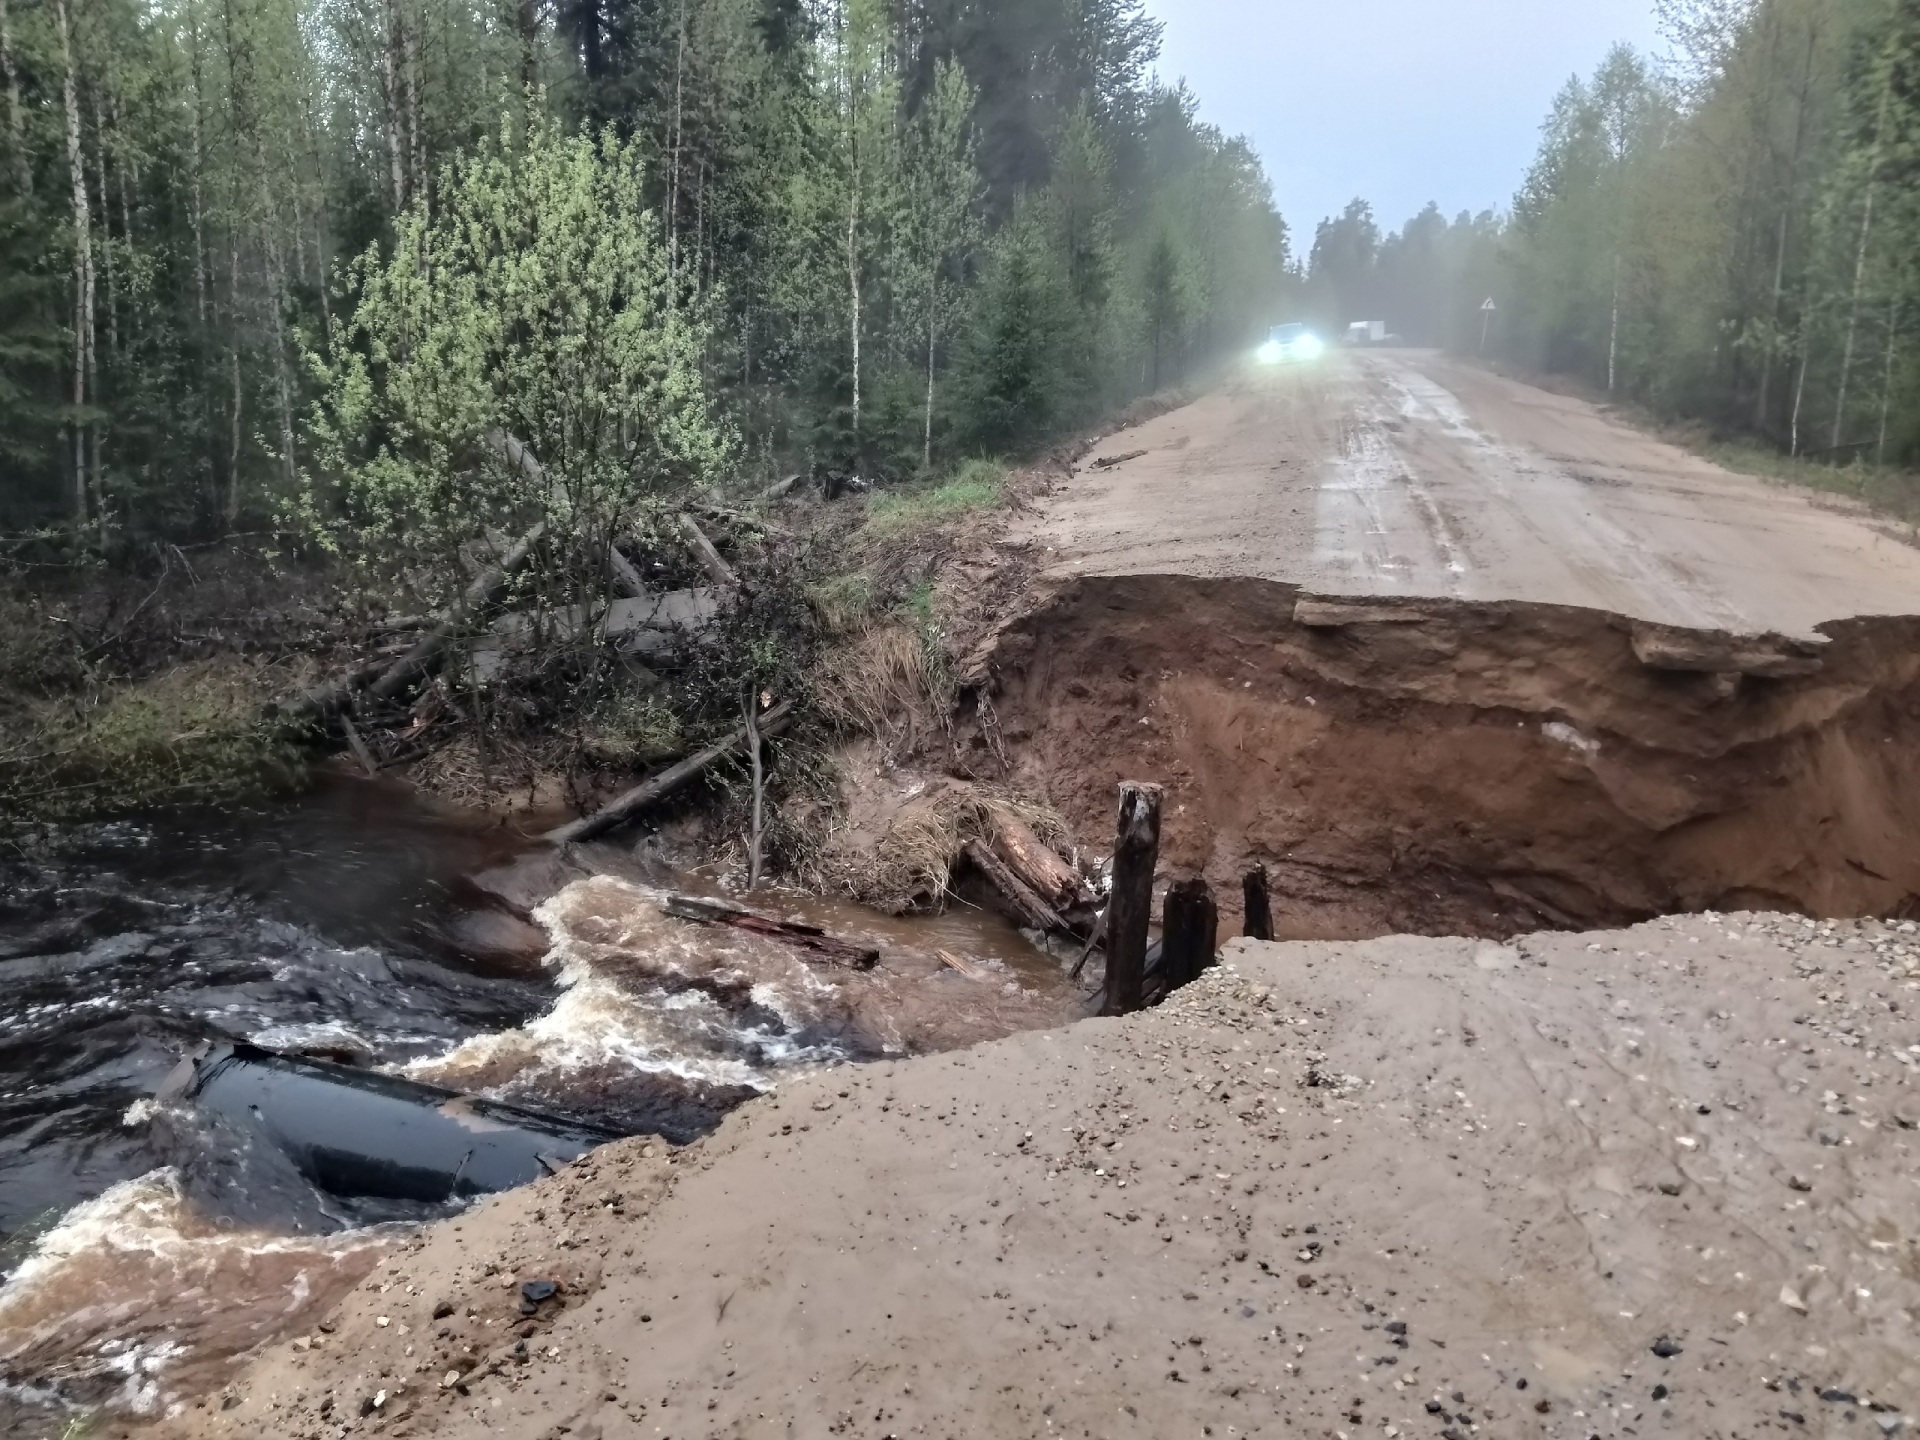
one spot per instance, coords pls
(906, 862)
(891, 681)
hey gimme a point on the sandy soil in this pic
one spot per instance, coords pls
(1403, 472)
(1652, 1181)
(1455, 768)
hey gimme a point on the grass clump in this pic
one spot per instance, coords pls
(1881, 488)
(195, 733)
(633, 729)
(894, 514)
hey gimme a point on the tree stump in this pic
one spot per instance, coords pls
(1259, 909)
(1136, 850)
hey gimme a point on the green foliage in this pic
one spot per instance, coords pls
(819, 197)
(533, 300)
(894, 514)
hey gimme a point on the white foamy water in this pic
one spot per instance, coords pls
(132, 1287)
(643, 991)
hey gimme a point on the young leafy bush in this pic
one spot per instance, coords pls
(535, 299)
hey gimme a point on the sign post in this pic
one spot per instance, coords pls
(1486, 319)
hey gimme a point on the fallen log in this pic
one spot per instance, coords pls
(676, 777)
(626, 579)
(788, 932)
(1038, 868)
(1029, 909)
(359, 747)
(385, 681)
(483, 592)
(717, 567)
(1107, 462)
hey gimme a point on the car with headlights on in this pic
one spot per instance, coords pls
(1291, 344)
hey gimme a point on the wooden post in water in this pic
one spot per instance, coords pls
(1189, 934)
(1259, 909)
(1136, 850)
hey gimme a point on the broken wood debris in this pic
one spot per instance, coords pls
(626, 579)
(668, 781)
(805, 937)
(954, 962)
(1107, 462)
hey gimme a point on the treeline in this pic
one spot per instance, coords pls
(1732, 235)
(879, 234)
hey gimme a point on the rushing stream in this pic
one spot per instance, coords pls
(145, 1243)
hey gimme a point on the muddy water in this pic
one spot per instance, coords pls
(146, 1243)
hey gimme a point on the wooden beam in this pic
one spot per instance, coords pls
(1136, 851)
(1189, 934)
(805, 937)
(1257, 905)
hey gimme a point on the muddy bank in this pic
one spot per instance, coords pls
(1571, 1186)
(1444, 767)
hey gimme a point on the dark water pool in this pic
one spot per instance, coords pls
(330, 921)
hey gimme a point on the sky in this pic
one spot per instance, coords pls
(1399, 101)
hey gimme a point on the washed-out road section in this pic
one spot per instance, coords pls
(1644, 1182)
(1405, 473)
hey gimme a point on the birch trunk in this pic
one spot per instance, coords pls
(1613, 332)
(390, 84)
(1886, 380)
(1860, 260)
(416, 109)
(1853, 318)
(679, 135)
(277, 296)
(82, 265)
(933, 345)
(1764, 402)
(853, 295)
(106, 229)
(16, 123)
(232, 506)
(1799, 396)
(199, 183)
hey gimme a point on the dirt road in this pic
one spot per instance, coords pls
(1642, 1182)
(1405, 473)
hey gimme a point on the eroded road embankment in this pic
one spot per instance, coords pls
(1624, 1184)
(1453, 768)
(1406, 473)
